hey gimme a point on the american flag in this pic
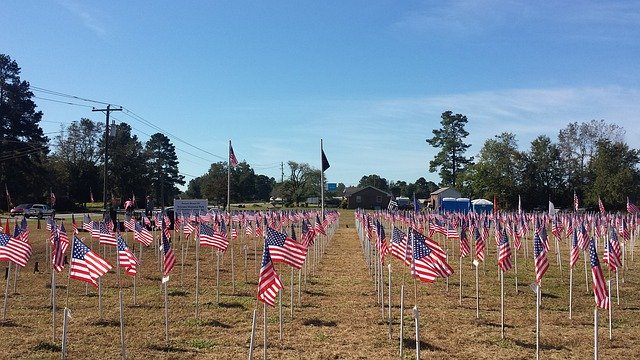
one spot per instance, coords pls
(232, 156)
(142, 235)
(189, 228)
(24, 230)
(381, 242)
(631, 207)
(575, 251)
(106, 236)
(599, 286)
(234, 232)
(576, 202)
(399, 245)
(612, 252)
(210, 237)
(169, 256)
(126, 259)
(422, 265)
(464, 242)
(50, 223)
(452, 232)
(318, 226)
(269, 283)
(95, 230)
(284, 249)
(541, 262)
(86, 265)
(504, 252)
(583, 237)
(129, 222)
(601, 206)
(479, 244)
(87, 223)
(556, 228)
(308, 233)
(624, 230)
(14, 250)
(59, 244)
(437, 256)
(248, 231)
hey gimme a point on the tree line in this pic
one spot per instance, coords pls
(589, 159)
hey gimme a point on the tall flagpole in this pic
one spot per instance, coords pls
(229, 180)
(321, 181)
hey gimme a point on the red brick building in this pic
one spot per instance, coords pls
(367, 197)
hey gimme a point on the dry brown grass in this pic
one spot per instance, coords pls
(338, 319)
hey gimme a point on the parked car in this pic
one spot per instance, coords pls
(20, 209)
(39, 211)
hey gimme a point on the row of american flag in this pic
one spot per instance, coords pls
(209, 229)
(427, 260)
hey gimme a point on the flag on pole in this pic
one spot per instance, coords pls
(575, 251)
(269, 283)
(552, 209)
(59, 244)
(14, 250)
(541, 262)
(169, 256)
(91, 196)
(576, 202)
(631, 207)
(233, 161)
(126, 259)
(479, 242)
(325, 162)
(600, 291)
(504, 252)
(86, 265)
(9, 203)
(142, 235)
(210, 237)
(284, 249)
(601, 205)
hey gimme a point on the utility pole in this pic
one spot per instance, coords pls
(108, 110)
(282, 171)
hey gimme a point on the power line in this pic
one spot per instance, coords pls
(61, 94)
(60, 102)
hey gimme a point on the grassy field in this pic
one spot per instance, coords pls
(338, 317)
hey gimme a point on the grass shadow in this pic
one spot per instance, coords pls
(47, 346)
(58, 286)
(167, 348)
(215, 323)
(411, 344)
(178, 293)
(314, 293)
(232, 305)
(105, 323)
(8, 323)
(483, 322)
(318, 322)
(532, 346)
(549, 296)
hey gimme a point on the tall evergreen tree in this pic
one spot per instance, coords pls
(163, 168)
(23, 146)
(450, 140)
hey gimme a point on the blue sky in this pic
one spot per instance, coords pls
(369, 77)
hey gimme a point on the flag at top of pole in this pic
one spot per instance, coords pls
(325, 162)
(233, 161)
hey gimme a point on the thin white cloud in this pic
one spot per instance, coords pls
(89, 20)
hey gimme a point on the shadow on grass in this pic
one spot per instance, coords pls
(105, 323)
(8, 323)
(314, 293)
(483, 322)
(167, 348)
(232, 305)
(318, 322)
(178, 293)
(47, 346)
(411, 344)
(58, 286)
(549, 296)
(215, 323)
(543, 346)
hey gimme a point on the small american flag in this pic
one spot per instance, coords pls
(541, 262)
(59, 244)
(129, 222)
(142, 235)
(575, 251)
(126, 259)
(504, 252)
(437, 256)
(209, 237)
(106, 236)
(601, 206)
(576, 202)
(269, 283)
(284, 249)
(479, 244)
(87, 224)
(86, 265)
(465, 248)
(169, 256)
(422, 266)
(399, 245)
(14, 250)
(232, 156)
(599, 286)
(612, 252)
(631, 207)
(308, 233)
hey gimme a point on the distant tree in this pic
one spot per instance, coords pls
(374, 180)
(75, 160)
(450, 140)
(498, 171)
(397, 188)
(613, 173)
(543, 174)
(214, 184)
(127, 165)
(340, 189)
(263, 187)
(23, 146)
(194, 188)
(577, 144)
(162, 163)
(299, 185)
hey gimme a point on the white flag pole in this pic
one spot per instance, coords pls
(595, 332)
(475, 264)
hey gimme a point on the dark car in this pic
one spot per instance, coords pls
(20, 209)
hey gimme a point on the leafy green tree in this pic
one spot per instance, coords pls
(301, 182)
(127, 167)
(498, 171)
(194, 188)
(263, 187)
(450, 140)
(75, 161)
(162, 163)
(374, 180)
(23, 146)
(214, 184)
(613, 171)
(543, 174)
